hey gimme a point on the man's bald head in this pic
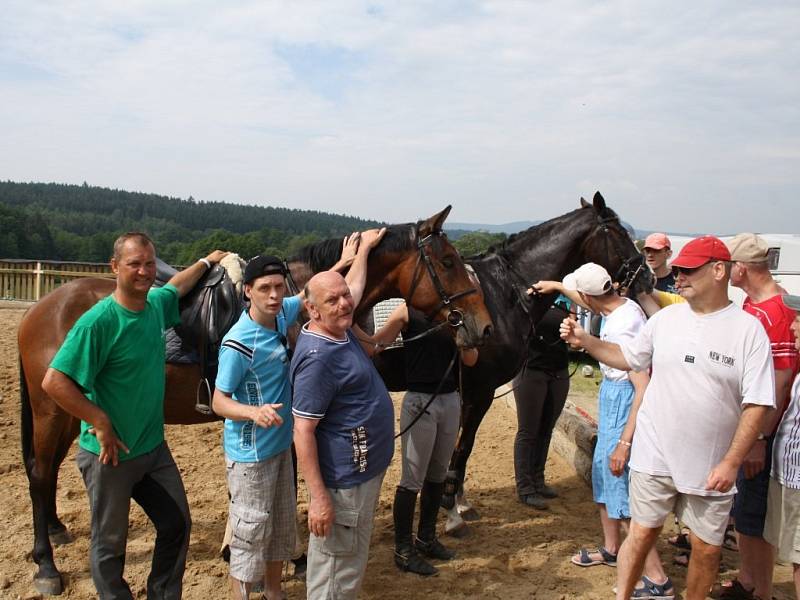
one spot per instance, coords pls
(329, 304)
(321, 281)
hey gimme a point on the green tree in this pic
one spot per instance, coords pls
(476, 242)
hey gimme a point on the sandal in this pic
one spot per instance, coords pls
(733, 590)
(582, 559)
(653, 591)
(681, 559)
(729, 541)
(680, 541)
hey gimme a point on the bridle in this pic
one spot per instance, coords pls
(455, 318)
(630, 269)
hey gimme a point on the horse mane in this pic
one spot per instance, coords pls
(504, 248)
(321, 256)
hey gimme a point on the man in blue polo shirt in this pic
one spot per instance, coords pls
(344, 429)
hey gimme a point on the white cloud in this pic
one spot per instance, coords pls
(507, 110)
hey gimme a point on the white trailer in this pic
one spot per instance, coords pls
(784, 260)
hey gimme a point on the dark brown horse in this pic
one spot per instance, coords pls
(414, 261)
(592, 233)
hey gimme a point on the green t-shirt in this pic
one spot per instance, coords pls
(116, 356)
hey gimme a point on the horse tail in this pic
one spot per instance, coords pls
(26, 419)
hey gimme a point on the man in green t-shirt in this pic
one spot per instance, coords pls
(109, 373)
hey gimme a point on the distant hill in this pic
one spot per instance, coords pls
(79, 222)
(455, 230)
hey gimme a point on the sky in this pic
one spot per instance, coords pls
(685, 115)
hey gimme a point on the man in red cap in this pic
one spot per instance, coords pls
(711, 389)
(657, 251)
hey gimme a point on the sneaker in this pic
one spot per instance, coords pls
(534, 501)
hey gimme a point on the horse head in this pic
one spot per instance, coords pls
(417, 262)
(610, 244)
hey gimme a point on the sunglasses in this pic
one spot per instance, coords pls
(686, 271)
(689, 271)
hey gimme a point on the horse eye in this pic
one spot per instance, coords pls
(447, 262)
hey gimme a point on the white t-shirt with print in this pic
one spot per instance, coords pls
(622, 324)
(786, 448)
(705, 368)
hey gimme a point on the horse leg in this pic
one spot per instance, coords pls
(56, 530)
(42, 471)
(475, 405)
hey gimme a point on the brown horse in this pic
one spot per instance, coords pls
(414, 261)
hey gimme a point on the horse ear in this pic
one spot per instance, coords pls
(434, 223)
(599, 202)
(584, 203)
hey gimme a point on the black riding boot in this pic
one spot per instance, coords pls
(426, 542)
(405, 555)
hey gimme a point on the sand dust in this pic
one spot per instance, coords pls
(512, 552)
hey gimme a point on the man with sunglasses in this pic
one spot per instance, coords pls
(750, 272)
(711, 389)
(252, 392)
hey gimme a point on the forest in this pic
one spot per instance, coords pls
(52, 221)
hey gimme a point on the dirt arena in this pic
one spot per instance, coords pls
(512, 552)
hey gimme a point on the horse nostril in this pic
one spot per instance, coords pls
(487, 331)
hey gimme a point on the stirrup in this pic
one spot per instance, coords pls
(202, 407)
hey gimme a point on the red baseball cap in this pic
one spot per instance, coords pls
(657, 241)
(700, 251)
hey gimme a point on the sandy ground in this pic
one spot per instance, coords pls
(512, 552)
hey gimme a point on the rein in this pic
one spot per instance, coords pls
(455, 318)
(418, 416)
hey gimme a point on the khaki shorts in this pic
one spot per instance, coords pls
(653, 497)
(336, 563)
(782, 527)
(261, 514)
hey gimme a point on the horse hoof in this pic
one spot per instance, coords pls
(448, 501)
(48, 586)
(61, 538)
(470, 514)
(460, 531)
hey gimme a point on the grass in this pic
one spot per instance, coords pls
(578, 383)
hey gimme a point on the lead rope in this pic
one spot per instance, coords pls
(432, 398)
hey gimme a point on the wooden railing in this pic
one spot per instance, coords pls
(29, 280)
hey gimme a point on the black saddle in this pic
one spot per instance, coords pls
(208, 311)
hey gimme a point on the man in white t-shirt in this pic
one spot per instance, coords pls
(711, 389)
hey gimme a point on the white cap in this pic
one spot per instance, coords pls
(590, 279)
